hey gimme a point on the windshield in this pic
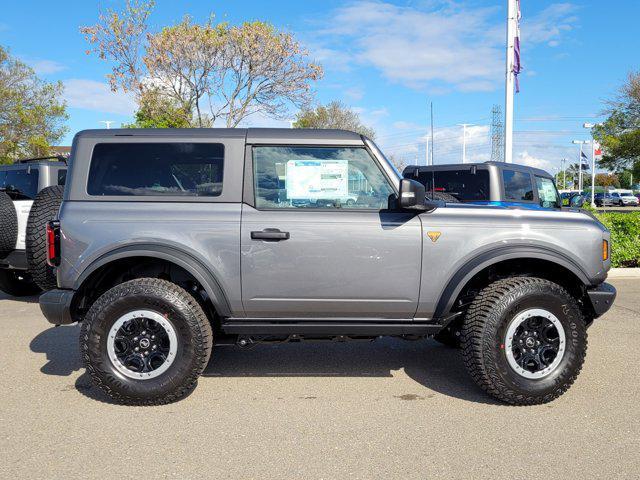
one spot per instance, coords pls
(20, 184)
(547, 193)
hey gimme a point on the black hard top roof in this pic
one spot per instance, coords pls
(485, 165)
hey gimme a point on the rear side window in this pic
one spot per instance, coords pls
(161, 169)
(20, 184)
(517, 186)
(464, 185)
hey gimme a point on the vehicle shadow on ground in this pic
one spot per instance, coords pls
(28, 299)
(430, 364)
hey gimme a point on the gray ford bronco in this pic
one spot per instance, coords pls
(170, 241)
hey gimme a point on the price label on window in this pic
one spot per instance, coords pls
(317, 179)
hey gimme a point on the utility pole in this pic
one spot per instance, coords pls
(512, 23)
(464, 140)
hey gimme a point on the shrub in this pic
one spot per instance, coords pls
(625, 237)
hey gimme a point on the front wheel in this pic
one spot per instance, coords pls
(524, 340)
(146, 342)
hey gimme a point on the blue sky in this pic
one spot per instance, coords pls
(387, 59)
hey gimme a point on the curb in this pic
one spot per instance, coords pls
(624, 273)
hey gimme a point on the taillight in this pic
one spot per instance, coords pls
(53, 243)
(605, 250)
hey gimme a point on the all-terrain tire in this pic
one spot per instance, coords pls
(445, 197)
(8, 224)
(483, 339)
(17, 283)
(191, 325)
(44, 209)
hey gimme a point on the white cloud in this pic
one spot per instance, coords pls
(45, 67)
(550, 24)
(441, 46)
(354, 93)
(525, 158)
(97, 96)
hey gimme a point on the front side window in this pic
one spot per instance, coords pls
(547, 193)
(163, 169)
(318, 178)
(20, 184)
(517, 186)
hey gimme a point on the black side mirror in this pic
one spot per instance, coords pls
(576, 201)
(412, 195)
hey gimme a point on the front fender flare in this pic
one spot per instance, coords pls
(460, 278)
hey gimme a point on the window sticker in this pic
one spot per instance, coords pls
(317, 179)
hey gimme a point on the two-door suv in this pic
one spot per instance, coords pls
(169, 241)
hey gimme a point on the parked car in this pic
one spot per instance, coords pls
(628, 200)
(489, 183)
(170, 240)
(20, 184)
(606, 200)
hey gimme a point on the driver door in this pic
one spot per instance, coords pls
(320, 242)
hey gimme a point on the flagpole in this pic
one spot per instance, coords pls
(580, 170)
(593, 174)
(509, 82)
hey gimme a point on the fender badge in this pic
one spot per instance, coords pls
(434, 236)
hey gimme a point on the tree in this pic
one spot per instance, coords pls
(157, 111)
(619, 134)
(626, 177)
(573, 175)
(32, 113)
(607, 180)
(216, 72)
(333, 115)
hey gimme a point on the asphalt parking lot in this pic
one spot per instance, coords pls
(387, 409)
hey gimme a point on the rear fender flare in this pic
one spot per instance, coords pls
(171, 254)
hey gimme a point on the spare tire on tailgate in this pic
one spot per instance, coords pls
(8, 224)
(45, 208)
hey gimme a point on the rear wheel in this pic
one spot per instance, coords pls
(145, 342)
(45, 208)
(524, 340)
(17, 283)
